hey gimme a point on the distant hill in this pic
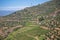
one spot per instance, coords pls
(6, 12)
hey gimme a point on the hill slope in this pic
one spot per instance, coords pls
(28, 14)
(34, 21)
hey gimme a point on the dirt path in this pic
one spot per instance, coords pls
(46, 28)
(11, 29)
(57, 11)
(35, 37)
(19, 26)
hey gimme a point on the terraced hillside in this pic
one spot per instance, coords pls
(30, 32)
(28, 14)
(33, 23)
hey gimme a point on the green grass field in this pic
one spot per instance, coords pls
(28, 33)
